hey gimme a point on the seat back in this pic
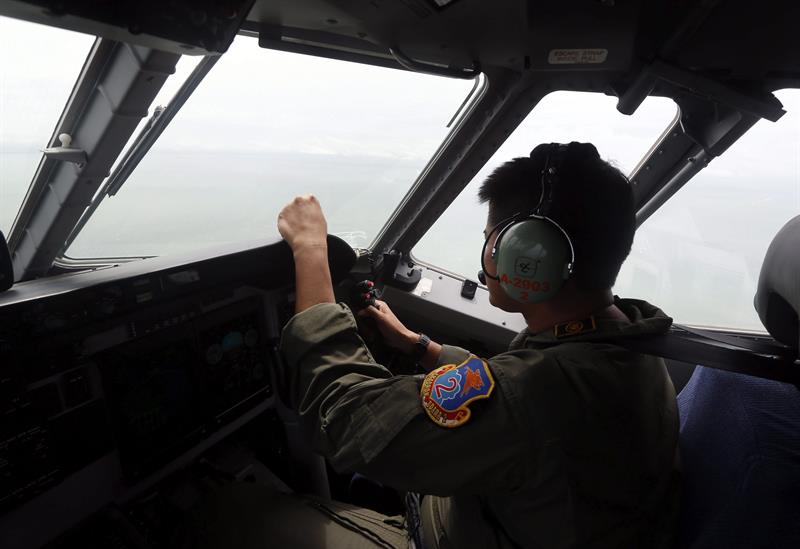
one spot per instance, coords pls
(740, 449)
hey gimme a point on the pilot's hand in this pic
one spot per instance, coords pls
(302, 223)
(394, 333)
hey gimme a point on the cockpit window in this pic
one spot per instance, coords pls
(699, 255)
(264, 126)
(38, 68)
(454, 242)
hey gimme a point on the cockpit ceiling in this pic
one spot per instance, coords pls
(514, 34)
(734, 40)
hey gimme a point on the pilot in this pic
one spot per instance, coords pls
(566, 440)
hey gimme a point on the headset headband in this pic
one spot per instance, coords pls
(549, 178)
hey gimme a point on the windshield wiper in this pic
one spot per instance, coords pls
(135, 153)
(147, 137)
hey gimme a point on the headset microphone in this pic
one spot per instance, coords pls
(534, 254)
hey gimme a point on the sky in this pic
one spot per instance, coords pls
(264, 126)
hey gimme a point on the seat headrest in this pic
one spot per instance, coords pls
(777, 298)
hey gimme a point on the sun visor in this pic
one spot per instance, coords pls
(777, 299)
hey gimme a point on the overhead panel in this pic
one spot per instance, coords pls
(462, 33)
(195, 27)
(762, 44)
(578, 35)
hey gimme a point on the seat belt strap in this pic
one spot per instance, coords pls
(698, 349)
(764, 345)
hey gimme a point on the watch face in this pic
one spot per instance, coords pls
(421, 346)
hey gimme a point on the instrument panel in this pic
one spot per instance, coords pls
(166, 391)
(117, 373)
(147, 393)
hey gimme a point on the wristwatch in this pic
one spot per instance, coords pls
(421, 347)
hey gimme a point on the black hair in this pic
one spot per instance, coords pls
(591, 199)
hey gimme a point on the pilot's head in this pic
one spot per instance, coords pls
(584, 196)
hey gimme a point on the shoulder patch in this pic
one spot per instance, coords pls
(575, 327)
(447, 390)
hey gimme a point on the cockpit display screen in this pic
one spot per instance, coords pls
(166, 390)
(153, 397)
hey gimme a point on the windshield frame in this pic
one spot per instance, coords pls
(639, 168)
(463, 111)
(78, 95)
(468, 112)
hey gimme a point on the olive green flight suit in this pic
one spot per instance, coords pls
(575, 447)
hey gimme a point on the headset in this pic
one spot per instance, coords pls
(534, 254)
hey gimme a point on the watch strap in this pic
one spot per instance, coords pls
(421, 346)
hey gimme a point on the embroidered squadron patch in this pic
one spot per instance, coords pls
(448, 390)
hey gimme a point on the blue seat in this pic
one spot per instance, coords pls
(740, 435)
(740, 448)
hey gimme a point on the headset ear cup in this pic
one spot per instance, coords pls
(534, 259)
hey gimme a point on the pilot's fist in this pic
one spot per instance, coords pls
(302, 223)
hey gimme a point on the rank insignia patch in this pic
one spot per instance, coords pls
(448, 390)
(575, 327)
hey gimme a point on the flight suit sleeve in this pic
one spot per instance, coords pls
(364, 419)
(452, 355)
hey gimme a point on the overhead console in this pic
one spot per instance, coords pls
(180, 26)
(116, 373)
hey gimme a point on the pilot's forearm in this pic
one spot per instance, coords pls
(312, 277)
(407, 343)
(338, 390)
